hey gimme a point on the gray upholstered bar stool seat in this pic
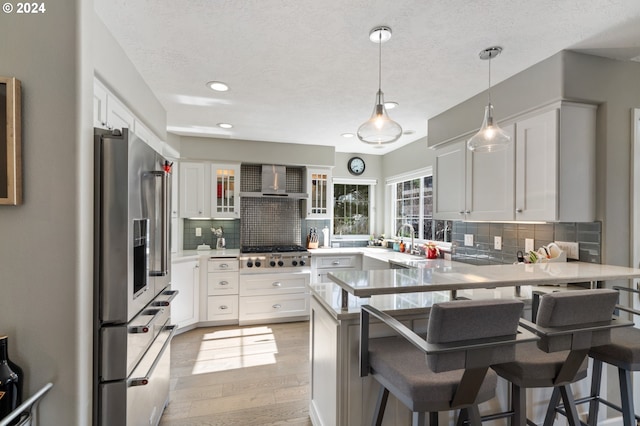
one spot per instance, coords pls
(569, 324)
(463, 339)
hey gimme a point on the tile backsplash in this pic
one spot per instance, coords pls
(230, 232)
(513, 235)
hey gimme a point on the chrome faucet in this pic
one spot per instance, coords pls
(413, 249)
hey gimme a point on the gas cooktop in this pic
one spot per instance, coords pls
(285, 248)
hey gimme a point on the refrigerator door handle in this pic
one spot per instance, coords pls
(164, 223)
(144, 380)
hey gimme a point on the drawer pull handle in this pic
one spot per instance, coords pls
(224, 266)
(336, 262)
(277, 284)
(224, 283)
(277, 306)
(223, 307)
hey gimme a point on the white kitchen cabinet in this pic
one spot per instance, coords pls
(320, 193)
(273, 297)
(148, 136)
(99, 105)
(225, 197)
(108, 111)
(555, 164)
(193, 190)
(185, 277)
(474, 185)
(222, 289)
(175, 186)
(546, 174)
(321, 265)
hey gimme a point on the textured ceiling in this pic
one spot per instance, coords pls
(304, 71)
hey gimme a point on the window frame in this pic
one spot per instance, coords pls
(392, 195)
(371, 183)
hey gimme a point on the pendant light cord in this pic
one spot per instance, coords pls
(380, 60)
(489, 90)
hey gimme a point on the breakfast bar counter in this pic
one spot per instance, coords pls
(340, 397)
(446, 275)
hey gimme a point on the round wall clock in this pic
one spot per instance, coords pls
(356, 166)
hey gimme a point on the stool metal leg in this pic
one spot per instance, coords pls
(433, 418)
(381, 404)
(551, 409)
(594, 404)
(519, 405)
(569, 405)
(626, 396)
(418, 419)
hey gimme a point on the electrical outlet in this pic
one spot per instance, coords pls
(528, 245)
(198, 232)
(497, 243)
(468, 240)
(572, 249)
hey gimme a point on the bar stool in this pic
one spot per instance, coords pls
(624, 353)
(463, 339)
(569, 324)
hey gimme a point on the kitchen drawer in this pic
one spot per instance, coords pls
(350, 261)
(260, 308)
(221, 283)
(269, 284)
(222, 308)
(221, 265)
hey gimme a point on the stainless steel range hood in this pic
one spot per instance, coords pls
(274, 184)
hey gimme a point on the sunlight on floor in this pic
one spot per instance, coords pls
(232, 349)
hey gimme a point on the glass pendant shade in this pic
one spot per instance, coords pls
(379, 129)
(491, 137)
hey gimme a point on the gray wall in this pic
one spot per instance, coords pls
(46, 246)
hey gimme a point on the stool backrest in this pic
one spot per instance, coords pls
(468, 321)
(572, 309)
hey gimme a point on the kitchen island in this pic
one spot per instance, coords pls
(339, 396)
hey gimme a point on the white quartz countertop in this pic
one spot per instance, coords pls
(196, 254)
(456, 276)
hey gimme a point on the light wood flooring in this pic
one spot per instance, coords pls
(230, 375)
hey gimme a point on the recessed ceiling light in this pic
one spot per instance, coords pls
(390, 104)
(218, 86)
(347, 135)
(225, 125)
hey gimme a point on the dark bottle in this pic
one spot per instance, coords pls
(10, 381)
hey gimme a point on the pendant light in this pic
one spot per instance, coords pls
(379, 129)
(491, 137)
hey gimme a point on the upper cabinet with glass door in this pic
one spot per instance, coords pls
(318, 205)
(225, 199)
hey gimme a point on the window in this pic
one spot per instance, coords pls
(351, 209)
(413, 205)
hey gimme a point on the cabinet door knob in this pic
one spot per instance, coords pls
(224, 266)
(468, 212)
(336, 262)
(277, 284)
(461, 212)
(223, 307)
(518, 210)
(224, 282)
(277, 306)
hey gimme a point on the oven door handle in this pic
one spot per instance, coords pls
(144, 380)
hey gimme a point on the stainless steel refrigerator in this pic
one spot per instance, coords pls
(132, 281)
